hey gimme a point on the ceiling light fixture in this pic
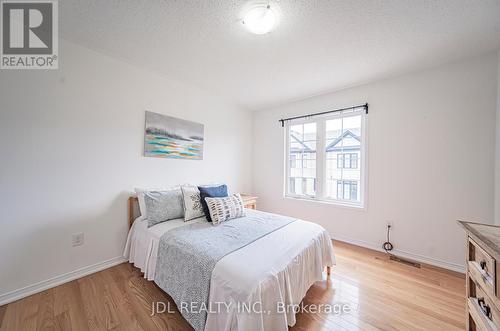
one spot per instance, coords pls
(260, 19)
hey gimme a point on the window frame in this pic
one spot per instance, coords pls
(287, 161)
(321, 160)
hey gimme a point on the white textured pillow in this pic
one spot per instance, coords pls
(192, 203)
(224, 209)
(163, 206)
(140, 196)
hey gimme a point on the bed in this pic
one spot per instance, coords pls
(277, 269)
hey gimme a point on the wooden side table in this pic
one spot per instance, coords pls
(249, 201)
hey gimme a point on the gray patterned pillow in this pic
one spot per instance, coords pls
(162, 206)
(192, 203)
(224, 209)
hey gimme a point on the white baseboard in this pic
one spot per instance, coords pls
(58, 280)
(408, 255)
(79, 273)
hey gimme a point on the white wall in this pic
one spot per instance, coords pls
(71, 144)
(497, 148)
(431, 141)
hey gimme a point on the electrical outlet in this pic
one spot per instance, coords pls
(78, 239)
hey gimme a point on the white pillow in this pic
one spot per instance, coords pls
(224, 209)
(192, 203)
(140, 196)
(163, 206)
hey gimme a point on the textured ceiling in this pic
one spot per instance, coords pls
(319, 45)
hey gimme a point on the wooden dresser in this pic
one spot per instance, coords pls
(482, 283)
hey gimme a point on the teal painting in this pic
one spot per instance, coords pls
(170, 137)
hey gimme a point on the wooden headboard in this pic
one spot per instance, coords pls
(133, 210)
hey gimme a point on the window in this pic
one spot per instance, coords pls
(302, 156)
(347, 161)
(325, 158)
(347, 189)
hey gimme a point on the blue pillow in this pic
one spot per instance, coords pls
(211, 192)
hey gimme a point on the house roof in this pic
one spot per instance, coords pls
(304, 148)
(332, 147)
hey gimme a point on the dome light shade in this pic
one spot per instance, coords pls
(260, 20)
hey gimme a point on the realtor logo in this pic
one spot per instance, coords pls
(29, 34)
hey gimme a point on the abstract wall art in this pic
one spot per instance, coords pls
(170, 137)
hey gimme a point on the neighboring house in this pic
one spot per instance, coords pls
(342, 165)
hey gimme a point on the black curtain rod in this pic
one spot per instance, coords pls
(365, 106)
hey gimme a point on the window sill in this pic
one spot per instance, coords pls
(328, 202)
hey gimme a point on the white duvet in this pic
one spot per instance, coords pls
(267, 275)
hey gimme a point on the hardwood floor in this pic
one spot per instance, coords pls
(383, 295)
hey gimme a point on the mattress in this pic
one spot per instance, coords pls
(277, 269)
(141, 248)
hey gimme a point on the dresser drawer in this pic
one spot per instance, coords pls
(482, 281)
(482, 311)
(482, 267)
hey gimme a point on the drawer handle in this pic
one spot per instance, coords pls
(484, 307)
(482, 264)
